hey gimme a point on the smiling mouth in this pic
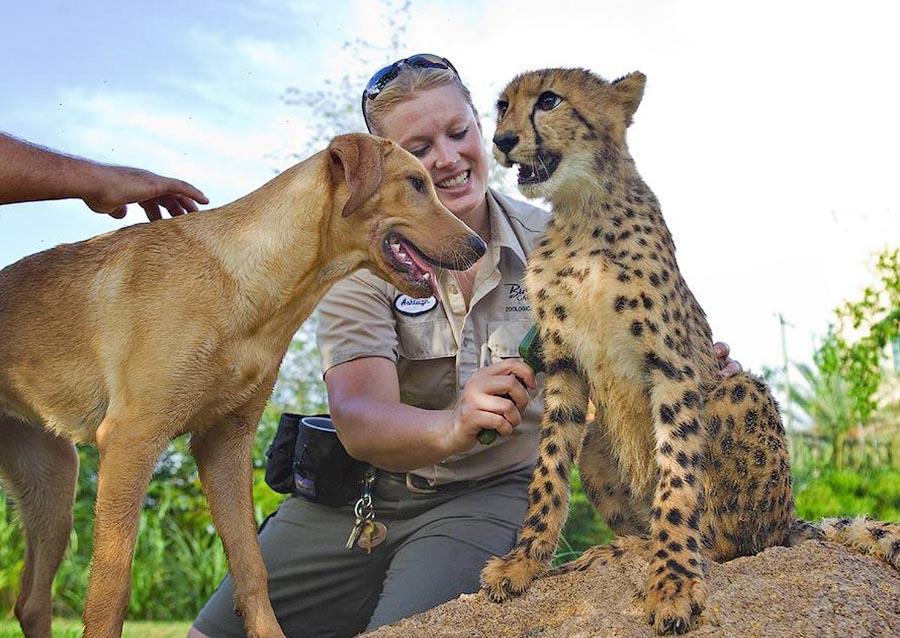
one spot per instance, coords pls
(459, 180)
(410, 262)
(546, 164)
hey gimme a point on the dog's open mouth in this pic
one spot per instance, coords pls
(408, 260)
(545, 165)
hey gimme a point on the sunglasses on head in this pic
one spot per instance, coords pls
(386, 75)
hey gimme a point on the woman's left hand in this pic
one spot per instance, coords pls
(727, 365)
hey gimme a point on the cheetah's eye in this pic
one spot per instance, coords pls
(548, 100)
(502, 105)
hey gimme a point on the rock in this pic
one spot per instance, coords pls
(814, 589)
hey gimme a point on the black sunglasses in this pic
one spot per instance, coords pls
(386, 75)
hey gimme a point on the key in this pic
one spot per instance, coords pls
(355, 532)
(374, 538)
(365, 536)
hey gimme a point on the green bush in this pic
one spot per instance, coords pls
(829, 492)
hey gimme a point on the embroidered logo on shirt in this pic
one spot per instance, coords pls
(410, 306)
(517, 297)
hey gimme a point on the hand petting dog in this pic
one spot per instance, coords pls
(31, 173)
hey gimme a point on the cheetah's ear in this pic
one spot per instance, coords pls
(628, 91)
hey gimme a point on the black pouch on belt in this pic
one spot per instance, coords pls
(307, 459)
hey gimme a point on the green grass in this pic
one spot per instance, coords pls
(69, 628)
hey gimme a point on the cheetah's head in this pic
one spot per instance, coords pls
(563, 126)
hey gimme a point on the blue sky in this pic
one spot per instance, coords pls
(768, 130)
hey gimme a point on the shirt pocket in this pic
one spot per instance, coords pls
(421, 340)
(504, 338)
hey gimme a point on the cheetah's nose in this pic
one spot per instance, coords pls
(506, 142)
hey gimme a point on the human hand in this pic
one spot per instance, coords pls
(727, 366)
(493, 399)
(117, 186)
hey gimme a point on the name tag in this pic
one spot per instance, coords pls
(410, 306)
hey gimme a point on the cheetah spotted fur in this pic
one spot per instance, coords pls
(684, 466)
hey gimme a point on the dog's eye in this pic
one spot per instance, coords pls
(418, 183)
(502, 105)
(548, 100)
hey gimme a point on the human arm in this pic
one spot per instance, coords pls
(374, 426)
(31, 173)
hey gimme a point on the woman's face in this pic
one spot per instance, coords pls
(439, 127)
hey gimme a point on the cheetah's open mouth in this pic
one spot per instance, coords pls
(544, 167)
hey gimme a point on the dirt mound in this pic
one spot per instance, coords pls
(814, 589)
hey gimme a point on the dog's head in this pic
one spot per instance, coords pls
(385, 200)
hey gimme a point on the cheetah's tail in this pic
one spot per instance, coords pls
(604, 554)
(862, 534)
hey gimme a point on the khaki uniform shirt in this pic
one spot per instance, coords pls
(437, 346)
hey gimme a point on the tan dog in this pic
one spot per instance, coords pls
(135, 337)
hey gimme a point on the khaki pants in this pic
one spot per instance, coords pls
(435, 547)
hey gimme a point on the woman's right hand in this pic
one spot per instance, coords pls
(482, 404)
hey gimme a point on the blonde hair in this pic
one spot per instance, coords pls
(409, 81)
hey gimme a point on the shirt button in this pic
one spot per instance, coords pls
(453, 289)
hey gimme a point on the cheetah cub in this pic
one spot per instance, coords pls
(683, 465)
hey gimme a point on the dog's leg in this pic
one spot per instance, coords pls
(40, 470)
(223, 454)
(129, 449)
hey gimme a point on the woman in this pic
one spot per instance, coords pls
(409, 387)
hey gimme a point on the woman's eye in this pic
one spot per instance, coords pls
(502, 105)
(460, 135)
(420, 152)
(548, 100)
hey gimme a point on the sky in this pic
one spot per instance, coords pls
(768, 130)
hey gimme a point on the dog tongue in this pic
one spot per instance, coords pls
(425, 267)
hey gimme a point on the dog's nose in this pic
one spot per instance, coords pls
(506, 142)
(477, 246)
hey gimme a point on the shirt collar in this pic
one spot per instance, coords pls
(502, 234)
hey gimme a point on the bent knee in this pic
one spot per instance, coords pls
(196, 633)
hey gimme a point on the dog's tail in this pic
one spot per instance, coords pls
(861, 534)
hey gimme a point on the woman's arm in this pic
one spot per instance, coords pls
(374, 426)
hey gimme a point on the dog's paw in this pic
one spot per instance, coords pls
(503, 578)
(673, 602)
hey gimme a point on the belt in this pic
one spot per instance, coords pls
(419, 485)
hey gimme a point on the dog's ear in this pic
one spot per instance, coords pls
(357, 160)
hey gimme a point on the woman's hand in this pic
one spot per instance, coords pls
(493, 398)
(727, 365)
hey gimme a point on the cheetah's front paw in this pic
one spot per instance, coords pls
(673, 603)
(503, 578)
